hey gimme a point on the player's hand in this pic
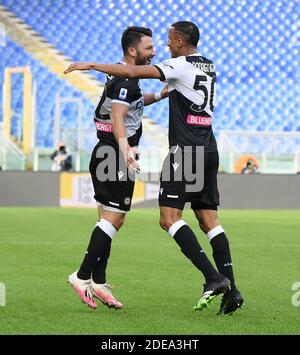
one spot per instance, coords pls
(132, 157)
(78, 66)
(165, 92)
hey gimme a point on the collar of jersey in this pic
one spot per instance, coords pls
(190, 55)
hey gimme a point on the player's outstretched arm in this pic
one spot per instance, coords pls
(119, 70)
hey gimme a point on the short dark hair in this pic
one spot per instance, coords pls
(132, 36)
(190, 30)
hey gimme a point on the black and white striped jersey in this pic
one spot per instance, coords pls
(191, 82)
(126, 92)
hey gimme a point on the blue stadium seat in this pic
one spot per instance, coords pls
(48, 86)
(253, 44)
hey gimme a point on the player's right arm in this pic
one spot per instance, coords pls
(149, 99)
(118, 114)
(169, 69)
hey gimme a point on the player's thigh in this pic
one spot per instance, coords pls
(172, 183)
(208, 198)
(113, 188)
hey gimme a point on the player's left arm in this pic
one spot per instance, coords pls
(119, 70)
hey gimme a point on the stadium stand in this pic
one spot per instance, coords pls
(48, 86)
(254, 44)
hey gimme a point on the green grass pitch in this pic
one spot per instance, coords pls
(40, 247)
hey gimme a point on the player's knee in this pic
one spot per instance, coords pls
(208, 224)
(162, 223)
(206, 227)
(169, 217)
(202, 227)
(120, 221)
(165, 223)
(116, 221)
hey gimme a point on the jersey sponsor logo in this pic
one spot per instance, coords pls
(104, 127)
(199, 120)
(123, 94)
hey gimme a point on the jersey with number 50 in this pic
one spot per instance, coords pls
(191, 85)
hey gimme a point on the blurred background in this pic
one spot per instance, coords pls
(255, 46)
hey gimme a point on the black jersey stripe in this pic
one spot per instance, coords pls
(162, 75)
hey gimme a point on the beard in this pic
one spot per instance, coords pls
(142, 60)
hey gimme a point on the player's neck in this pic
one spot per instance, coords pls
(128, 60)
(189, 51)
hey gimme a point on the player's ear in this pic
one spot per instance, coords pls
(180, 43)
(132, 52)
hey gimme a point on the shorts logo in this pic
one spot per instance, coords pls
(127, 201)
(175, 166)
(161, 190)
(199, 120)
(123, 94)
(120, 174)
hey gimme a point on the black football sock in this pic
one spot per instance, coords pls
(99, 273)
(190, 247)
(221, 253)
(99, 245)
